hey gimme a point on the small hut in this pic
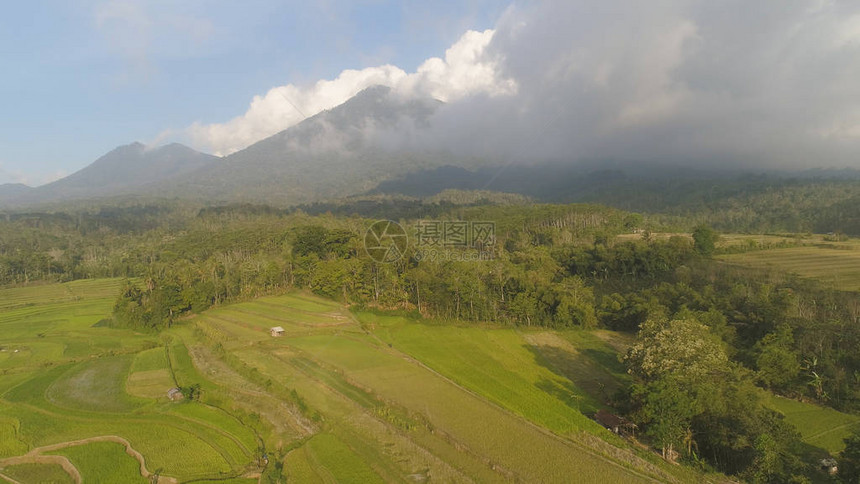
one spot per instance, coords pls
(175, 394)
(276, 332)
(829, 466)
(614, 423)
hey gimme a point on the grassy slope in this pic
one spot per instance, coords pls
(403, 399)
(104, 462)
(820, 427)
(837, 264)
(66, 378)
(368, 393)
(38, 474)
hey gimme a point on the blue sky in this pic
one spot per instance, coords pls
(761, 84)
(82, 77)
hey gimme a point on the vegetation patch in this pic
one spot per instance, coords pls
(104, 462)
(95, 386)
(38, 474)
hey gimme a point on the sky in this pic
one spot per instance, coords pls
(82, 77)
(771, 83)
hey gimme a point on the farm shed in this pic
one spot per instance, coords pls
(616, 424)
(175, 394)
(276, 331)
(829, 466)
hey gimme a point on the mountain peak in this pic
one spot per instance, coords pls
(125, 170)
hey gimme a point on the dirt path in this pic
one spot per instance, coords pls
(834, 429)
(36, 456)
(8, 479)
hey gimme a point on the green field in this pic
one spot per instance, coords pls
(104, 462)
(821, 427)
(339, 398)
(64, 378)
(836, 264)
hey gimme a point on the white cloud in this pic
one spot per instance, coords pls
(753, 84)
(466, 70)
(771, 83)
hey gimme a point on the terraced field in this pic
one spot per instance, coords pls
(339, 398)
(821, 427)
(836, 264)
(65, 378)
(438, 403)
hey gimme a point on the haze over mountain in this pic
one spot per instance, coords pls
(339, 152)
(132, 169)
(377, 142)
(12, 191)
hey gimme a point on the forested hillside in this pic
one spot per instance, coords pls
(709, 336)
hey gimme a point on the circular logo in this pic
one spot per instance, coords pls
(385, 241)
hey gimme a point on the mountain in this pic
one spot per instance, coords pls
(343, 151)
(11, 191)
(133, 169)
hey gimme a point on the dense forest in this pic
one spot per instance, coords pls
(709, 337)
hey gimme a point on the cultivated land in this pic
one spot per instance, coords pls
(341, 397)
(833, 263)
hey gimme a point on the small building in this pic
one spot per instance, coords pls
(829, 466)
(276, 332)
(175, 394)
(614, 423)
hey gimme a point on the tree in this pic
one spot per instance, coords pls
(849, 459)
(683, 348)
(705, 240)
(667, 411)
(777, 362)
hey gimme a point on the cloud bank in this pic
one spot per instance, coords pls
(771, 84)
(466, 69)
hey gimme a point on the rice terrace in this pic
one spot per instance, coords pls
(381, 398)
(484, 241)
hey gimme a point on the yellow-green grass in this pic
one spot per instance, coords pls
(151, 359)
(214, 417)
(70, 379)
(483, 428)
(764, 240)
(52, 293)
(442, 402)
(333, 459)
(820, 427)
(347, 375)
(38, 474)
(498, 364)
(228, 480)
(150, 383)
(828, 264)
(298, 467)
(372, 428)
(150, 375)
(50, 324)
(104, 462)
(10, 445)
(182, 448)
(97, 386)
